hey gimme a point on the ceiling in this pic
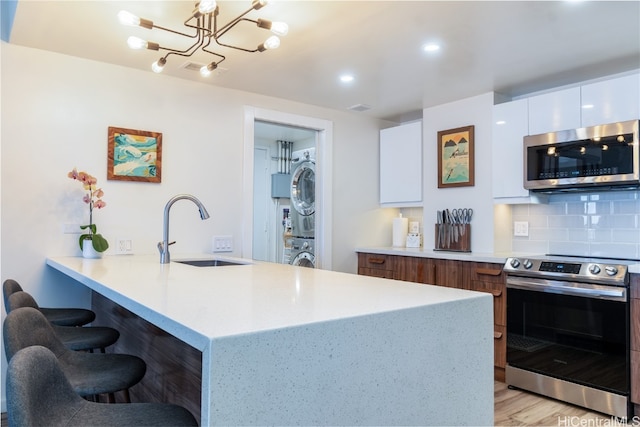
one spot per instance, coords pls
(509, 47)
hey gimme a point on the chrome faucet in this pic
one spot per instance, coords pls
(163, 246)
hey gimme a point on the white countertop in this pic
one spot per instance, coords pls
(199, 304)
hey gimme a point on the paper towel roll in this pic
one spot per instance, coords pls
(400, 229)
(414, 227)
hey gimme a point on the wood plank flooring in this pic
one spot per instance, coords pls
(518, 408)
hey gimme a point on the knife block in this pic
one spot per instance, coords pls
(453, 237)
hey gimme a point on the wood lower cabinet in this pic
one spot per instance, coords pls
(635, 341)
(416, 270)
(376, 265)
(476, 276)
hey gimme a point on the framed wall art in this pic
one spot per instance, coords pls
(134, 155)
(455, 157)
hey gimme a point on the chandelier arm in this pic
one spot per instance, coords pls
(227, 28)
(229, 24)
(235, 47)
(178, 32)
(199, 26)
(223, 31)
(188, 51)
(216, 54)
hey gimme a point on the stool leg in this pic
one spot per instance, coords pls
(112, 398)
(127, 397)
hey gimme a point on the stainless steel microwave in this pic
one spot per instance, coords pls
(587, 158)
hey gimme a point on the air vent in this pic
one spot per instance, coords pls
(360, 107)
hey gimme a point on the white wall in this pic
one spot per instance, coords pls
(56, 118)
(476, 111)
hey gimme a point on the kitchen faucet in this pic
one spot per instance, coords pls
(163, 246)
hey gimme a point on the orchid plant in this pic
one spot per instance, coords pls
(94, 199)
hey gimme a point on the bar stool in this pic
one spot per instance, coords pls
(58, 316)
(38, 393)
(73, 337)
(89, 374)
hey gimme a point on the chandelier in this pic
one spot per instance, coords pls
(204, 20)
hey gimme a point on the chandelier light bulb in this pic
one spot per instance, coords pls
(136, 43)
(206, 70)
(279, 28)
(128, 18)
(207, 6)
(158, 65)
(272, 42)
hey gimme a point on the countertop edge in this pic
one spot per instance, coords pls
(169, 325)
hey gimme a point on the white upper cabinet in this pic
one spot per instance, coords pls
(401, 165)
(554, 111)
(611, 101)
(510, 125)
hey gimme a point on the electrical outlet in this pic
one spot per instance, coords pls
(124, 246)
(521, 228)
(222, 243)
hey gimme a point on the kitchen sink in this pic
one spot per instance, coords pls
(209, 262)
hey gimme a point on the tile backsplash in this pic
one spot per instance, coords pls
(605, 224)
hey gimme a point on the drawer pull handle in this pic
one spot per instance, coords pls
(376, 260)
(497, 335)
(488, 271)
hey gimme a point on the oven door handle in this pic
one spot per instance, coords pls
(568, 288)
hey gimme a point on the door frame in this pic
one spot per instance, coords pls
(324, 144)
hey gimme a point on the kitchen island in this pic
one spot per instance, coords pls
(283, 345)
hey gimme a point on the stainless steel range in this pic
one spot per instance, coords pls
(568, 330)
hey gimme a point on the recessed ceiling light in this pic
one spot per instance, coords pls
(587, 106)
(346, 78)
(431, 47)
(501, 122)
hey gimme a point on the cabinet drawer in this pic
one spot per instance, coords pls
(373, 272)
(635, 324)
(635, 377)
(499, 346)
(417, 270)
(635, 286)
(487, 272)
(375, 261)
(499, 299)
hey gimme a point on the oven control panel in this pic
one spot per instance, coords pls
(583, 271)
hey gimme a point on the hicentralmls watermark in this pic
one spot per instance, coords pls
(573, 421)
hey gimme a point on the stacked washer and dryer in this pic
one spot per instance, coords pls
(303, 207)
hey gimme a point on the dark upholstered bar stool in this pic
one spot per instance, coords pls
(38, 394)
(73, 337)
(58, 316)
(89, 374)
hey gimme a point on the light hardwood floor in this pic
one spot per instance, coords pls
(518, 408)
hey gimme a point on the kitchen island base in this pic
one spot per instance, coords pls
(284, 345)
(281, 377)
(174, 368)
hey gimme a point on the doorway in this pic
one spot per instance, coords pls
(323, 130)
(274, 175)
